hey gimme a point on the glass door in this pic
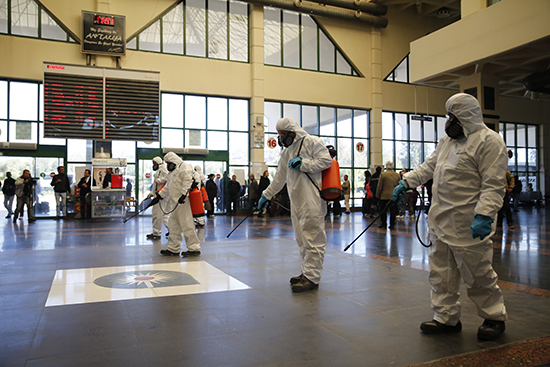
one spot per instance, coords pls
(41, 169)
(144, 182)
(217, 168)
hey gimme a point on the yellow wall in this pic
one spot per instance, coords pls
(22, 59)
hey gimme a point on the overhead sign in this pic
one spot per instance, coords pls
(103, 34)
(421, 118)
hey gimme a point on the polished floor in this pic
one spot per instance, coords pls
(82, 293)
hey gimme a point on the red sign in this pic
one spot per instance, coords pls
(218, 176)
(272, 143)
(360, 147)
(148, 175)
(52, 174)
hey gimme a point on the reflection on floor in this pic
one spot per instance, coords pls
(366, 312)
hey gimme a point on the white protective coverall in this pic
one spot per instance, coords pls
(181, 219)
(160, 178)
(201, 181)
(468, 179)
(307, 208)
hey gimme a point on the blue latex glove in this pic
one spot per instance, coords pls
(399, 191)
(295, 163)
(481, 227)
(262, 203)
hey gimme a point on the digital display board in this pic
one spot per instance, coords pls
(103, 34)
(97, 103)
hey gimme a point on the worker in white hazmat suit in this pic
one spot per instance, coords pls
(201, 182)
(159, 180)
(468, 170)
(302, 154)
(181, 220)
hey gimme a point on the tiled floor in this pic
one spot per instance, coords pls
(76, 293)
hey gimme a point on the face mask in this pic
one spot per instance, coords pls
(155, 167)
(286, 141)
(171, 166)
(454, 128)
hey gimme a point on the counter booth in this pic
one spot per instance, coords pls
(108, 198)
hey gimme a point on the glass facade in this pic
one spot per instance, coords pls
(28, 18)
(522, 141)
(344, 128)
(215, 29)
(295, 40)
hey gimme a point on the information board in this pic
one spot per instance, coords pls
(83, 102)
(103, 34)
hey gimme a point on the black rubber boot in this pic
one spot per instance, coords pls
(297, 279)
(435, 327)
(490, 329)
(190, 253)
(304, 285)
(169, 253)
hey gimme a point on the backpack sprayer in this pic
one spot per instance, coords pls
(331, 188)
(196, 199)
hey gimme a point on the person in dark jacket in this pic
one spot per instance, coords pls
(374, 186)
(24, 188)
(253, 192)
(234, 190)
(61, 186)
(264, 183)
(9, 193)
(85, 184)
(515, 192)
(212, 192)
(107, 179)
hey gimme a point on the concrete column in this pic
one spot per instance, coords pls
(256, 19)
(376, 99)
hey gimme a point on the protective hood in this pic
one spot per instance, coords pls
(198, 169)
(468, 111)
(172, 157)
(288, 124)
(157, 160)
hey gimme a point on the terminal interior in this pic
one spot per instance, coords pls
(369, 77)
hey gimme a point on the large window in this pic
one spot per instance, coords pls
(522, 140)
(295, 40)
(215, 29)
(344, 128)
(407, 140)
(30, 19)
(401, 73)
(215, 123)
